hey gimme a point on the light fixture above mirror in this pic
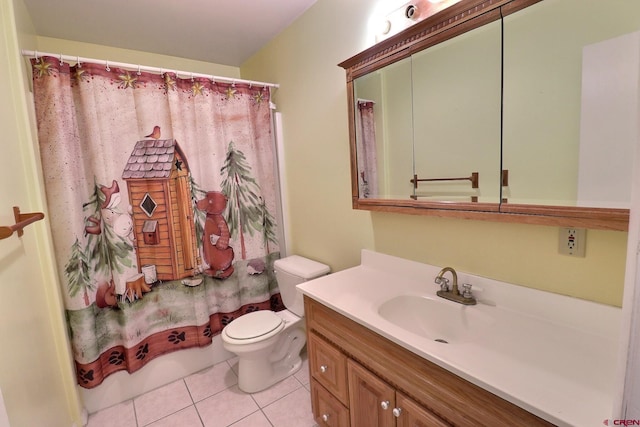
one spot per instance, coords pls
(409, 14)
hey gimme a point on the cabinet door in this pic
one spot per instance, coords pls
(413, 415)
(371, 400)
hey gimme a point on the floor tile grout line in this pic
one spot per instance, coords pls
(279, 398)
(135, 414)
(248, 415)
(167, 416)
(193, 401)
(226, 387)
(171, 414)
(198, 413)
(188, 391)
(267, 417)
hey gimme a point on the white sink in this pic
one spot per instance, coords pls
(433, 318)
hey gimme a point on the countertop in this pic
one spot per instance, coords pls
(553, 355)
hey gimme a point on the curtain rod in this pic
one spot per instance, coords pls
(137, 67)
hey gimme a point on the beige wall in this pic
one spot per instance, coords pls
(313, 104)
(312, 99)
(88, 50)
(36, 377)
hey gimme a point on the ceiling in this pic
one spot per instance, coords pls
(224, 32)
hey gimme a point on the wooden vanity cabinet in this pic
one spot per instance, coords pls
(355, 370)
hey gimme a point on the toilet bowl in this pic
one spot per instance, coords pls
(268, 343)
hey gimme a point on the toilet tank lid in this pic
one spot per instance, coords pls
(301, 267)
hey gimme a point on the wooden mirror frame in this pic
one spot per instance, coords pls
(459, 18)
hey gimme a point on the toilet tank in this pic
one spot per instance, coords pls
(291, 271)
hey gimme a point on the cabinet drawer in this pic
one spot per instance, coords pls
(329, 367)
(327, 410)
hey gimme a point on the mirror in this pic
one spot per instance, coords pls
(570, 131)
(384, 132)
(456, 135)
(414, 122)
(500, 111)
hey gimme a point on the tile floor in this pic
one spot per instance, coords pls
(211, 398)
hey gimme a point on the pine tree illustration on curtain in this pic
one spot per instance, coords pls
(246, 210)
(199, 216)
(104, 252)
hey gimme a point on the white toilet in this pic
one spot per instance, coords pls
(268, 343)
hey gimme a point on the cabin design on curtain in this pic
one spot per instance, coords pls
(157, 176)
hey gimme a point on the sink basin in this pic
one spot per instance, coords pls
(441, 321)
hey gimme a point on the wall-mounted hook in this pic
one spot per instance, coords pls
(22, 220)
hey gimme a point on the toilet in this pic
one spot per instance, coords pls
(268, 343)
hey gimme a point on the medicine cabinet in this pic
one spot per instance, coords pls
(509, 110)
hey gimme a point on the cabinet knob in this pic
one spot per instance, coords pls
(323, 368)
(397, 412)
(325, 417)
(384, 405)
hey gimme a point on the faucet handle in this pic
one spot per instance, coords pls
(466, 290)
(443, 282)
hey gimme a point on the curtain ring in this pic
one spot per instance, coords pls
(36, 55)
(107, 64)
(138, 73)
(192, 78)
(61, 62)
(79, 64)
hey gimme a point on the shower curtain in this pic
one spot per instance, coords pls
(367, 150)
(161, 195)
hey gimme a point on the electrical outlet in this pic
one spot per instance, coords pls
(572, 241)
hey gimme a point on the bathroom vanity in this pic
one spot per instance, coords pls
(384, 350)
(360, 376)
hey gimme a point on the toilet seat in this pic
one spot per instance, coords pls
(258, 324)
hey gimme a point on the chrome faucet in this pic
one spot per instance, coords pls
(453, 294)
